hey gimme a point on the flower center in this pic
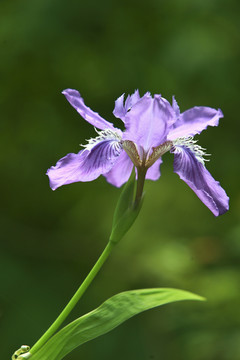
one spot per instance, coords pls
(157, 152)
(104, 135)
(143, 159)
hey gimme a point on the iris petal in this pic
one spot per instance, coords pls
(87, 165)
(153, 172)
(120, 172)
(193, 121)
(175, 107)
(198, 178)
(148, 121)
(119, 109)
(75, 99)
(122, 108)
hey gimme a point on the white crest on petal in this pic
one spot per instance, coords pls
(105, 135)
(190, 144)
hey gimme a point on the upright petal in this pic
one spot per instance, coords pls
(132, 100)
(195, 175)
(122, 108)
(175, 107)
(119, 109)
(87, 165)
(75, 99)
(120, 172)
(194, 121)
(148, 121)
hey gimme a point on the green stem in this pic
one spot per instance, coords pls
(140, 185)
(69, 307)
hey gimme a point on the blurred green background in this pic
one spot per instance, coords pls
(50, 240)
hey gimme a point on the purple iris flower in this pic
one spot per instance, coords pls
(152, 127)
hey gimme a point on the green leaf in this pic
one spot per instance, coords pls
(109, 315)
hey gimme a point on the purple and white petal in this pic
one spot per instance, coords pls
(75, 99)
(122, 108)
(194, 121)
(153, 172)
(97, 159)
(148, 121)
(121, 171)
(195, 175)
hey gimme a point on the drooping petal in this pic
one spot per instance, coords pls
(75, 99)
(194, 121)
(195, 175)
(120, 172)
(148, 121)
(122, 108)
(153, 172)
(87, 165)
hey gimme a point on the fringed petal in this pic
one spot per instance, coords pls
(122, 108)
(97, 159)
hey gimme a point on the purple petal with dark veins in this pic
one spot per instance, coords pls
(200, 181)
(193, 121)
(122, 108)
(75, 99)
(121, 171)
(153, 172)
(87, 165)
(148, 121)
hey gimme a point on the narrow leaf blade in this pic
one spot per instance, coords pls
(109, 315)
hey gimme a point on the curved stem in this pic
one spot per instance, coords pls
(69, 307)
